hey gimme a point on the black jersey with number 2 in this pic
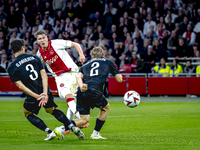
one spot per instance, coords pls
(96, 71)
(26, 68)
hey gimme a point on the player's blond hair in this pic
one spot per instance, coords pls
(97, 52)
(39, 32)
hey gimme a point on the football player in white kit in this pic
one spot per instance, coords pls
(62, 67)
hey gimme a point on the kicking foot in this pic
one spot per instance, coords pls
(50, 136)
(59, 133)
(78, 133)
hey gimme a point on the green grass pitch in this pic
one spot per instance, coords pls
(150, 126)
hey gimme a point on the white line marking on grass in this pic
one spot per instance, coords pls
(119, 117)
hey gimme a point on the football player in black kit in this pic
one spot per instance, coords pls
(91, 78)
(29, 75)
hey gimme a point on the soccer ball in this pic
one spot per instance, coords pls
(131, 99)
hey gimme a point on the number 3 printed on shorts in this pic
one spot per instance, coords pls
(94, 71)
(31, 68)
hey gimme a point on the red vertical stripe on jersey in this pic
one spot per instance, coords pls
(54, 61)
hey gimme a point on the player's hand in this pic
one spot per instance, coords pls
(84, 87)
(82, 59)
(43, 101)
(43, 98)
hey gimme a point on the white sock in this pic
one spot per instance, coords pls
(95, 132)
(70, 126)
(72, 107)
(77, 114)
(70, 115)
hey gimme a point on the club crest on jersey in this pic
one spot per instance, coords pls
(51, 52)
(62, 84)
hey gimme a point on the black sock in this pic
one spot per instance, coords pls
(73, 122)
(37, 122)
(99, 125)
(74, 125)
(60, 116)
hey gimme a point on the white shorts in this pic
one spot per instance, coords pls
(66, 84)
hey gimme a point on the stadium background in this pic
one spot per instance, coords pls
(159, 122)
(135, 35)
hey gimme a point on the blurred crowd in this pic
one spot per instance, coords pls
(135, 34)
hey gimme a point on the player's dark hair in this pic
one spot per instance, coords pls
(16, 45)
(39, 32)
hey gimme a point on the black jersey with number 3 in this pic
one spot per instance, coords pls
(96, 71)
(26, 68)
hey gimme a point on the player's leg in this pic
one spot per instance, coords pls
(70, 115)
(64, 85)
(60, 116)
(68, 125)
(100, 122)
(73, 90)
(71, 112)
(71, 105)
(82, 121)
(84, 108)
(104, 112)
(37, 122)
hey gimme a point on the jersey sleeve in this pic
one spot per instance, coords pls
(40, 65)
(13, 74)
(62, 43)
(39, 56)
(113, 69)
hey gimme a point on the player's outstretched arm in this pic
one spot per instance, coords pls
(78, 48)
(118, 77)
(44, 81)
(43, 97)
(79, 80)
(26, 90)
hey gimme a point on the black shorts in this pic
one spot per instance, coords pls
(89, 99)
(32, 104)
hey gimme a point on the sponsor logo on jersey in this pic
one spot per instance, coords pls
(52, 60)
(62, 85)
